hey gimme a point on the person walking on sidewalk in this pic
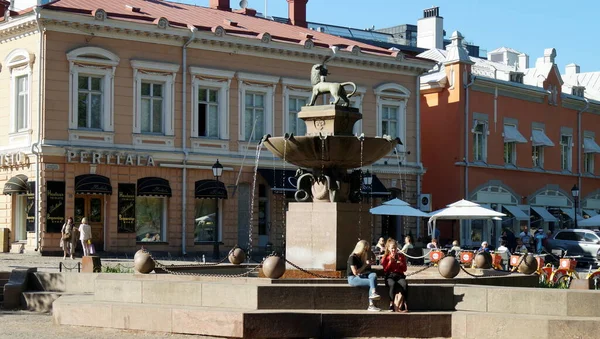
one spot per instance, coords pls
(85, 235)
(67, 238)
(358, 272)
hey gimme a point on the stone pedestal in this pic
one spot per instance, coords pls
(321, 236)
(91, 264)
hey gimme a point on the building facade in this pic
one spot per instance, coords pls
(514, 138)
(117, 112)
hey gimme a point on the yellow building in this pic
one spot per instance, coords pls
(117, 111)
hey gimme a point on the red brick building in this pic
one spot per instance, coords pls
(511, 137)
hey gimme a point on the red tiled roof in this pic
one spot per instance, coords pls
(180, 15)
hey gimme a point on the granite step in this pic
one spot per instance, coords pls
(239, 323)
(41, 301)
(259, 294)
(489, 325)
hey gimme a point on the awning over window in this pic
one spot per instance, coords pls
(512, 134)
(591, 213)
(16, 185)
(153, 186)
(544, 214)
(92, 184)
(539, 138)
(571, 213)
(210, 189)
(516, 212)
(280, 180)
(590, 146)
(376, 189)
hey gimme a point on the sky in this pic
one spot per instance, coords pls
(529, 26)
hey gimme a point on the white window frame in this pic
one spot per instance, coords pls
(588, 162)
(539, 158)
(261, 84)
(513, 154)
(156, 72)
(93, 61)
(19, 63)
(219, 80)
(483, 134)
(569, 155)
(392, 94)
(293, 88)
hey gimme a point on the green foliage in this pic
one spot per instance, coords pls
(116, 269)
(562, 284)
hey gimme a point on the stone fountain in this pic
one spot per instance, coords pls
(327, 220)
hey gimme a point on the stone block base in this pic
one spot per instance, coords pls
(320, 236)
(91, 264)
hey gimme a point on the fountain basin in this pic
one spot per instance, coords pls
(338, 151)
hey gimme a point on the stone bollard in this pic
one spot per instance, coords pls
(91, 264)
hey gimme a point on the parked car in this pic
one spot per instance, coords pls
(583, 242)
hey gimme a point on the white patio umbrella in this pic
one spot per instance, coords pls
(397, 207)
(590, 222)
(462, 209)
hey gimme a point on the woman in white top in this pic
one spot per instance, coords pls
(85, 234)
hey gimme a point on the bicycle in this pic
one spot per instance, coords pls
(565, 272)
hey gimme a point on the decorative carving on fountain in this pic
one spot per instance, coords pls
(329, 147)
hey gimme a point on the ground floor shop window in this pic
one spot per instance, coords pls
(150, 218)
(206, 220)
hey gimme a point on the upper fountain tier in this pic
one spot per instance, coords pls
(329, 142)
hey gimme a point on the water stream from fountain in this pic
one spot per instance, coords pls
(362, 144)
(402, 186)
(251, 223)
(283, 205)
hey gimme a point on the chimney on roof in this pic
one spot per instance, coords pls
(222, 5)
(297, 12)
(523, 62)
(430, 29)
(549, 55)
(4, 8)
(571, 69)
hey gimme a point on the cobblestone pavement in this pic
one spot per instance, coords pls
(25, 325)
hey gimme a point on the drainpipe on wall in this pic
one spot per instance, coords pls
(193, 29)
(579, 143)
(418, 110)
(35, 148)
(467, 85)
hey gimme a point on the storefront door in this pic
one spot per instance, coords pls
(91, 207)
(20, 218)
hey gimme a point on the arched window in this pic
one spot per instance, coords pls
(391, 111)
(91, 94)
(19, 64)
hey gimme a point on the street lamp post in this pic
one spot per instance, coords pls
(217, 169)
(575, 193)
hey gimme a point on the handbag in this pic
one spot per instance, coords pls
(92, 249)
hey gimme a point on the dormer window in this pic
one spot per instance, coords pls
(578, 91)
(516, 77)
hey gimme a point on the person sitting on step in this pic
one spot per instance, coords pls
(394, 267)
(358, 272)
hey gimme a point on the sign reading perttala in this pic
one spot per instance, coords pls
(126, 208)
(55, 206)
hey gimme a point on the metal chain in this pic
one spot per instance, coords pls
(411, 257)
(481, 275)
(308, 272)
(419, 271)
(67, 268)
(168, 270)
